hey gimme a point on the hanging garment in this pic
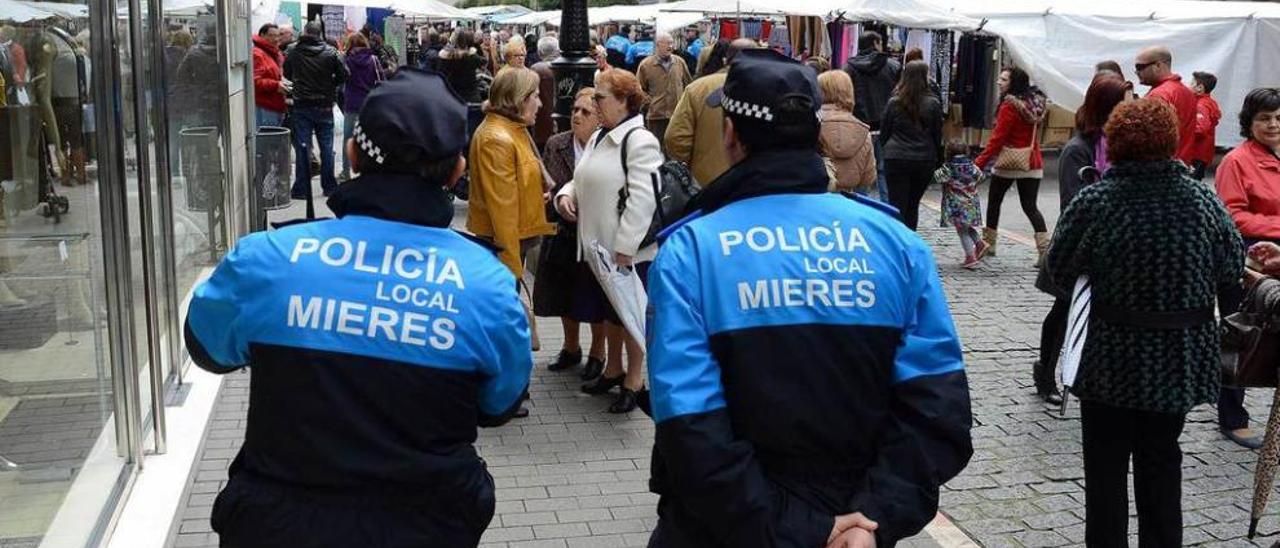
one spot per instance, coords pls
(766, 30)
(377, 16)
(941, 62)
(920, 39)
(356, 17)
(728, 30)
(751, 29)
(781, 40)
(835, 30)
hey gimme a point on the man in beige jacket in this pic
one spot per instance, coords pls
(663, 77)
(695, 133)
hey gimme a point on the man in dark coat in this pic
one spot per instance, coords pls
(808, 383)
(316, 71)
(370, 380)
(875, 75)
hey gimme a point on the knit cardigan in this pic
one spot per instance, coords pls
(1151, 240)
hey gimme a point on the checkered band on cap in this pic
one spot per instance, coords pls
(743, 108)
(366, 144)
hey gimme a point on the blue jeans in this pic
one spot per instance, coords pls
(306, 122)
(882, 188)
(348, 127)
(268, 117)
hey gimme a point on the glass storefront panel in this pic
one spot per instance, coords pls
(57, 431)
(196, 109)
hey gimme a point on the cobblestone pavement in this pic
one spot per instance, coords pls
(573, 475)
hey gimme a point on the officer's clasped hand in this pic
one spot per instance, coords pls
(852, 531)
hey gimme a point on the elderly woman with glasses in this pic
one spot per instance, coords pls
(592, 199)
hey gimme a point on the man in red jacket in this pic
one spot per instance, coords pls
(1154, 66)
(1207, 116)
(269, 84)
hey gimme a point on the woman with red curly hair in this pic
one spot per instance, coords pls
(1157, 247)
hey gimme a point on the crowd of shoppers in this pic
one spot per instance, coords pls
(1129, 173)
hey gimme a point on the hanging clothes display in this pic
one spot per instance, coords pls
(919, 39)
(781, 40)
(377, 16)
(766, 30)
(835, 30)
(751, 29)
(356, 17)
(941, 61)
(728, 30)
(975, 74)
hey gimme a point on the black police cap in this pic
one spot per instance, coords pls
(411, 118)
(759, 80)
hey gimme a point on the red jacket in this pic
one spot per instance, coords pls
(1171, 91)
(1015, 128)
(1207, 116)
(1248, 180)
(267, 75)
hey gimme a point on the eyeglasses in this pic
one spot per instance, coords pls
(1143, 66)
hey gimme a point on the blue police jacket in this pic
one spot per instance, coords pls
(377, 343)
(638, 51)
(618, 43)
(803, 364)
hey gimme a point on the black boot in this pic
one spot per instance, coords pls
(627, 401)
(1046, 387)
(565, 360)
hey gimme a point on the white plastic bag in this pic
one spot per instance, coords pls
(623, 288)
(1077, 334)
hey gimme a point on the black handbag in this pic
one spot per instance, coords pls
(1250, 346)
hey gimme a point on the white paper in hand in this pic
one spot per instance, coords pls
(1077, 333)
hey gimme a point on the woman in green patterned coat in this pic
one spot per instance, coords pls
(1157, 248)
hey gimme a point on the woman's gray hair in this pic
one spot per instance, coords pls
(548, 48)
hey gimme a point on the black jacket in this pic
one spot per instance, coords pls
(906, 139)
(1077, 154)
(874, 75)
(316, 71)
(377, 342)
(786, 393)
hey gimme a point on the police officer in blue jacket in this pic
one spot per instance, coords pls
(377, 343)
(807, 380)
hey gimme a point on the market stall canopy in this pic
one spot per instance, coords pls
(432, 9)
(725, 7)
(68, 11)
(915, 14)
(536, 18)
(1059, 42)
(12, 11)
(497, 14)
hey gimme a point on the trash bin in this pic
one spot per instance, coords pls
(271, 167)
(201, 162)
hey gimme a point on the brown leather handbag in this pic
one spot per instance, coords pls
(1250, 347)
(1017, 159)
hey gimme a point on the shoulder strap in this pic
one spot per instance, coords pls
(624, 192)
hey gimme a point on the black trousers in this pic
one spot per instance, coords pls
(1052, 333)
(253, 514)
(1028, 190)
(1111, 435)
(907, 180)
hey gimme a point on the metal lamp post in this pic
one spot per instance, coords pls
(574, 69)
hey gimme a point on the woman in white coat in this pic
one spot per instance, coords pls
(592, 199)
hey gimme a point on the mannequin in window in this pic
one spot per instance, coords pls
(41, 54)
